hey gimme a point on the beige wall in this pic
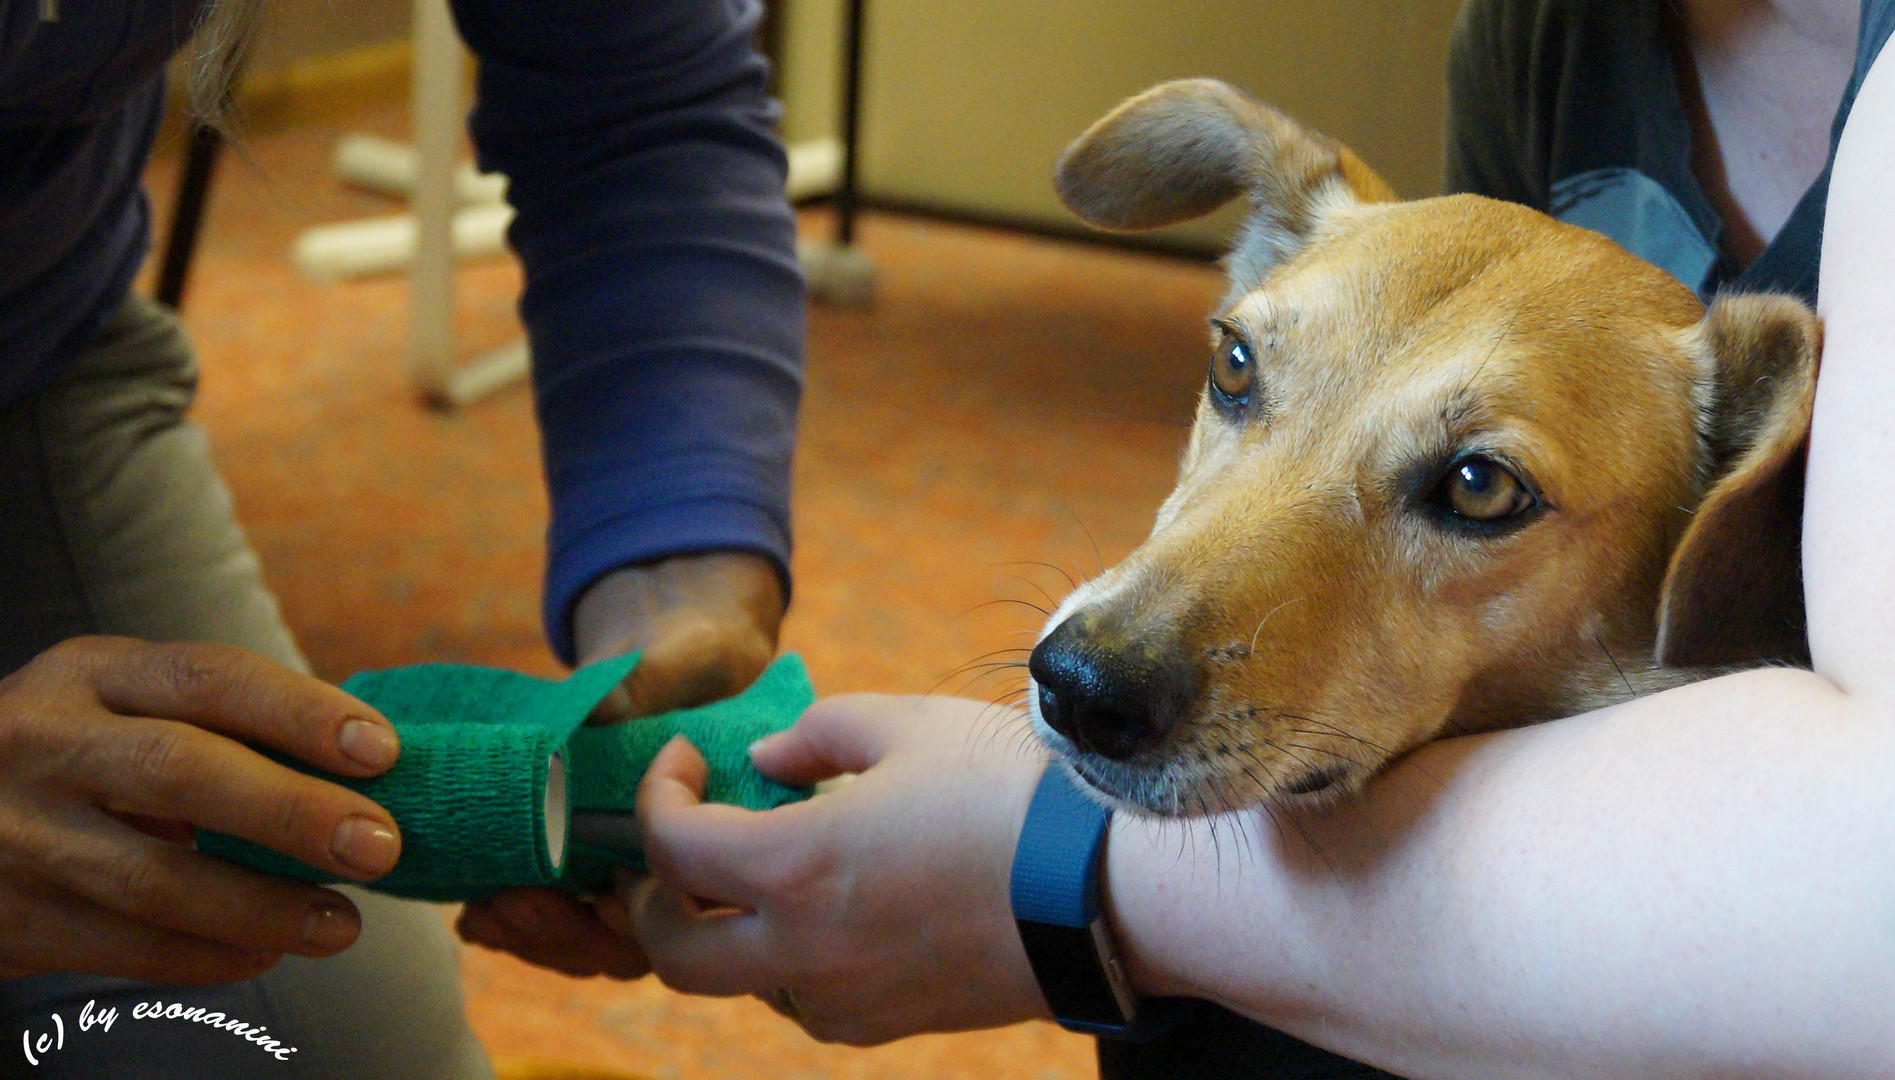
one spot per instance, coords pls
(968, 102)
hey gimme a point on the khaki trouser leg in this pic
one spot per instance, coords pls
(113, 520)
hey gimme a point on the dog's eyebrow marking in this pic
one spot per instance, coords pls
(1457, 412)
(1235, 326)
(1506, 332)
(1230, 326)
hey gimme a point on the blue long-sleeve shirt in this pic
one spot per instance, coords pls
(663, 301)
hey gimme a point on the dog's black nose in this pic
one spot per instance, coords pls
(1111, 701)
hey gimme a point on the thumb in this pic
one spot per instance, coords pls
(675, 778)
(837, 735)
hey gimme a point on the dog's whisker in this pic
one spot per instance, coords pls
(974, 679)
(1071, 582)
(1310, 844)
(1003, 652)
(1023, 579)
(992, 667)
(993, 721)
(1596, 640)
(980, 663)
(1252, 648)
(1359, 742)
(1331, 730)
(1327, 750)
(1009, 600)
(1097, 557)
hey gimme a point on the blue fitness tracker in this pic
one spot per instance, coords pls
(1055, 893)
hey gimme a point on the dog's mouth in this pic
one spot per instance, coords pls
(1181, 781)
(1180, 791)
(1141, 790)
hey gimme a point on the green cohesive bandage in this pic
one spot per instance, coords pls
(495, 766)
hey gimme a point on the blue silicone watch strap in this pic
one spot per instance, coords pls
(1055, 868)
(1056, 905)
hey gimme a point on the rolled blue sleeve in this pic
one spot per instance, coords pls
(663, 301)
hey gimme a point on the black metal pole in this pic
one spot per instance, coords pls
(187, 213)
(851, 124)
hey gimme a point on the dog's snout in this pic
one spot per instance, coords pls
(1111, 701)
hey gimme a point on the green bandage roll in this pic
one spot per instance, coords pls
(608, 760)
(493, 766)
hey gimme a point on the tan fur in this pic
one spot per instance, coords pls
(1328, 625)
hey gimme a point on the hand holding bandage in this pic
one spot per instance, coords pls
(496, 769)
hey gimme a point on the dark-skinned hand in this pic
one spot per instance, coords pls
(112, 751)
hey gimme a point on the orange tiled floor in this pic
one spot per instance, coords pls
(1009, 401)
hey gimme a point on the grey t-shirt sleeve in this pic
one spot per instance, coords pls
(1485, 123)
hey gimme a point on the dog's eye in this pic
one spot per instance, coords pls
(1233, 372)
(1482, 489)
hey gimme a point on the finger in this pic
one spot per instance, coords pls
(615, 909)
(836, 735)
(709, 850)
(165, 769)
(552, 930)
(121, 870)
(695, 952)
(66, 934)
(564, 926)
(245, 696)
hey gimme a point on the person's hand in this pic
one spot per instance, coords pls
(112, 750)
(707, 625)
(877, 909)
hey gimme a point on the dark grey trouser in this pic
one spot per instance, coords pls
(1213, 1043)
(113, 520)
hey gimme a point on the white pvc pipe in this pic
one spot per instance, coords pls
(386, 245)
(436, 109)
(815, 168)
(388, 168)
(488, 372)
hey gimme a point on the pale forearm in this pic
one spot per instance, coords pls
(1701, 883)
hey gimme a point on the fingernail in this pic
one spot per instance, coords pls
(369, 745)
(329, 928)
(366, 844)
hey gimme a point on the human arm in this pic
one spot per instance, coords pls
(1690, 885)
(1699, 883)
(663, 300)
(112, 751)
(664, 307)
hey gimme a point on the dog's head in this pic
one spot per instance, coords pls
(1456, 466)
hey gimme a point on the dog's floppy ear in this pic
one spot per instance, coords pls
(1182, 149)
(1734, 590)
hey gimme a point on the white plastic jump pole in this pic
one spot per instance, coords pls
(436, 107)
(437, 110)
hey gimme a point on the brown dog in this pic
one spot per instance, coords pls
(1457, 466)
